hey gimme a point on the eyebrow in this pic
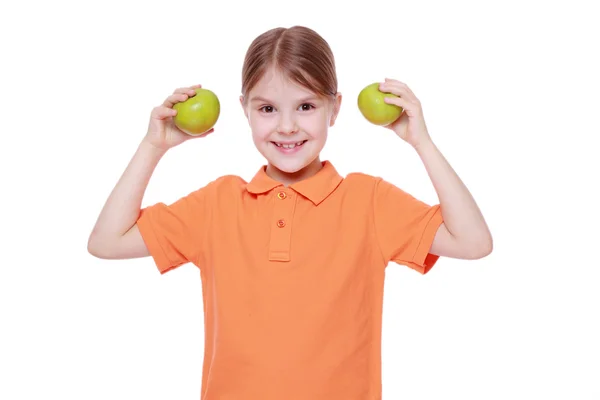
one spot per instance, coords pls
(263, 100)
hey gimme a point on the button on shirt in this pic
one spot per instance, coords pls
(292, 278)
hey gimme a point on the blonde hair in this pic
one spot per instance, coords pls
(298, 52)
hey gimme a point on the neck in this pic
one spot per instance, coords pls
(288, 178)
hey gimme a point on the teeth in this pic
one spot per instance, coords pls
(289, 146)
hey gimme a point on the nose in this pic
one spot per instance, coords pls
(287, 124)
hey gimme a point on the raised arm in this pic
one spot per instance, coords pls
(464, 233)
(116, 235)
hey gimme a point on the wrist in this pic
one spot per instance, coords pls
(149, 148)
(424, 146)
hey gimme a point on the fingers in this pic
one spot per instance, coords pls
(175, 98)
(399, 89)
(407, 107)
(181, 94)
(397, 101)
(188, 89)
(163, 112)
(397, 83)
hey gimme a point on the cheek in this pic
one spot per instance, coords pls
(261, 126)
(316, 125)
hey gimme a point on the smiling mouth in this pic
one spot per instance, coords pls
(289, 145)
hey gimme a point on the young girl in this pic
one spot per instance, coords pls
(292, 263)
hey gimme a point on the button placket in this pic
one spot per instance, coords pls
(283, 210)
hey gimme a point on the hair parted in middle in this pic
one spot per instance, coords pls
(298, 52)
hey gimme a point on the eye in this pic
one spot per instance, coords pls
(306, 107)
(266, 109)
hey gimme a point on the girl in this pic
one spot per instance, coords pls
(292, 263)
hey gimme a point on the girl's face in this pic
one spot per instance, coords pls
(289, 125)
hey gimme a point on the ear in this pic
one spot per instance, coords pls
(336, 108)
(244, 106)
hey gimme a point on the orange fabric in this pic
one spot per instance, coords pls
(292, 278)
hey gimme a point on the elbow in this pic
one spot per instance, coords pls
(483, 249)
(94, 247)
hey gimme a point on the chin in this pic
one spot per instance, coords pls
(290, 166)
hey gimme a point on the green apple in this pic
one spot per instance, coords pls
(374, 108)
(198, 113)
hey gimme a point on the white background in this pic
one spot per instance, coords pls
(510, 95)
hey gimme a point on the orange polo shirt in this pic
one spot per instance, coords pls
(292, 278)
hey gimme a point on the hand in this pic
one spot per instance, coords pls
(411, 125)
(162, 132)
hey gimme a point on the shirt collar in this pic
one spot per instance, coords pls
(316, 188)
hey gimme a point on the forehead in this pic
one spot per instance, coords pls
(276, 85)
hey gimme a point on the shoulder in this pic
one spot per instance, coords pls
(361, 180)
(358, 189)
(225, 185)
(375, 187)
(220, 190)
(228, 182)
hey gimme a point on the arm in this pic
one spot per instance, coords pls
(115, 235)
(464, 233)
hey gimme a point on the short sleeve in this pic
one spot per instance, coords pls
(175, 233)
(405, 227)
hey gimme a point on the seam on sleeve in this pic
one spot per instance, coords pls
(207, 201)
(204, 233)
(427, 230)
(374, 220)
(152, 232)
(160, 246)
